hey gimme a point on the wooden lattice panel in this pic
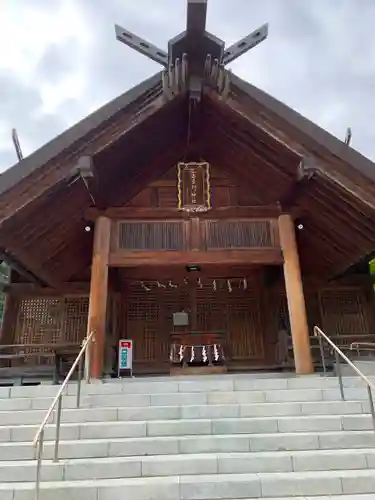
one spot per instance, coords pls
(74, 325)
(149, 318)
(344, 312)
(142, 322)
(51, 321)
(238, 313)
(163, 235)
(173, 300)
(245, 328)
(239, 234)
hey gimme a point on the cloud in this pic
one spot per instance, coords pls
(62, 60)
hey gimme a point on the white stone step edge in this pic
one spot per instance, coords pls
(238, 443)
(187, 399)
(174, 385)
(166, 465)
(183, 427)
(204, 487)
(134, 413)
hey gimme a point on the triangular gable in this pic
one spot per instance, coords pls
(74, 135)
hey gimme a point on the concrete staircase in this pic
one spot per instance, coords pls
(222, 437)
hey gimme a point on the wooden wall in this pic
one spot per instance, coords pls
(146, 316)
(252, 317)
(51, 320)
(226, 191)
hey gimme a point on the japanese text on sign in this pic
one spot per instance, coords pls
(125, 354)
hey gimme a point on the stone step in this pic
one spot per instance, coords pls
(202, 487)
(159, 465)
(186, 399)
(227, 383)
(185, 427)
(29, 417)
(169, 445)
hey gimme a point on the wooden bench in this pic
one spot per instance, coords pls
(58, 353)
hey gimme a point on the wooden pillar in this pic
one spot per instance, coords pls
(296, 301)
(9, 323)
(99, 293)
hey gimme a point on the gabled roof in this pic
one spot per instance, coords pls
(98, 119)
(283, 135)
(75, 134)
(321, 137)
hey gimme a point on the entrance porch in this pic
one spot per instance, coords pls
(252, 298)
(232, 309)
(219, 246)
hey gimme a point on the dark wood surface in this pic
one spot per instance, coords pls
(257, 170)
(198, 338)
(36, 355)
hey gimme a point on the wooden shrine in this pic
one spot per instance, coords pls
(193, 193)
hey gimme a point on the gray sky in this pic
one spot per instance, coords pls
(59, 59)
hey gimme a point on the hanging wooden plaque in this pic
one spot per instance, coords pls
(193, 185)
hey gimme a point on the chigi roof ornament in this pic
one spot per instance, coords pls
(195, 57)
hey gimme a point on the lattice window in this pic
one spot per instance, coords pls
(344, 312)
(76, 311)
(238, 234)
(149, 318)
(50, 321)
(246, 328)
(151, 235)
(142, 319)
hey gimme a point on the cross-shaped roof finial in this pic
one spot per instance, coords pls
(195, 27)
(194, 44)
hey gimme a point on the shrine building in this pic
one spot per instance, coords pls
(195, 215)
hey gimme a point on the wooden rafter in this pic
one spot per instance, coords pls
(261, 143)
(147, 174)
(354, 218)
(236, 156)
(231, 104)
(344, 165)
(58, 170)
(28, 267)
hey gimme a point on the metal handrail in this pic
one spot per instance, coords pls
(318, 332)
(358, 346)
(39, 436)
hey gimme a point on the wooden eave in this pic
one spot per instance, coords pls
(52, 163)
(339, 160)
(136, 138)
(51, 225)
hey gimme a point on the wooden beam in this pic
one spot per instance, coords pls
(65, 289)
(27, 267)
(196, 17)
(8, 325)
(295, 296)
(99, 294)
(304, 174)
(178, 273)
(229, 257)
(150, 213)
